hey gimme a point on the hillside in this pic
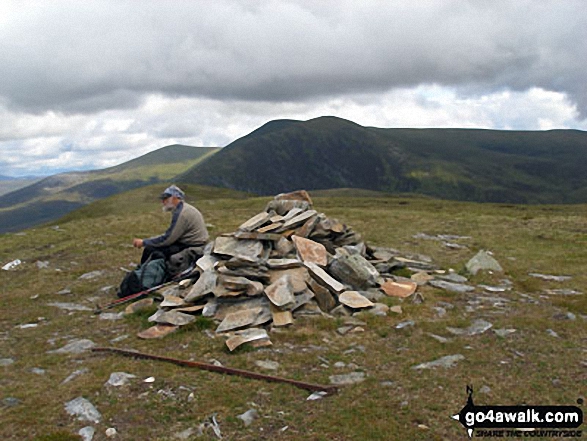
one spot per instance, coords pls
(459, 164)
(530, 348)
(56, 195)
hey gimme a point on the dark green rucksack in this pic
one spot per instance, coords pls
(148, 275)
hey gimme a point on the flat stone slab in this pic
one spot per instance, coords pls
(239, 319)
(310, 251)
(70, 306)
(203, 286)
(206, 263)
(157, 331)
(550, 277)
(483, 261)
(83, 410)
(172, 301)
(447, 361)
(91, 275)
(118, 379)
(477, 327)
(325, 299)
(246, 336)
(247, 250)
(139, 305)
(400, 289)
(281, 318)
(354, 300)
(255, 222)
(450, 286)
(324, 278)
(76, 346)
(280, 292)
(283, 263)
(175, 318)
(346, 379)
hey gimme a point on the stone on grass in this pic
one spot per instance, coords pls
(346, 379)
(139, 305)
(354, 300)
(246, 336)
(239, 319)
(447, 361)
(87, 433)
(203, 286)
(483, 261)
(401, 289)
(325, 300)
(91, 275)
(175, 318)
(76, 346)
(504, 332)
(450, 286)
(267, 364)
(324, 279)
(354, 270)
(549, 277)
(6, 361)
(70, 306)
(477, 327)
(111, 315)
(118, 379)
(83, 410)
(248, 417)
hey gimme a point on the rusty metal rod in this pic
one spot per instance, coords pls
(224, 370)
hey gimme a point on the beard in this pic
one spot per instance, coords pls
(166, 208)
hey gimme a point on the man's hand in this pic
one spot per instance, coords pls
(137, 243)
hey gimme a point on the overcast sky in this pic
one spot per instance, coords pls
(86, 85)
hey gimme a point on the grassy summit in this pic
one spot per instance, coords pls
(395, 402)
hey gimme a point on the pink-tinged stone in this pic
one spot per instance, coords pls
(354, 300)
(398, 289)
(310, 251)
(157, 331)
(280, 292)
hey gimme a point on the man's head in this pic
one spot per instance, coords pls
(171, 197)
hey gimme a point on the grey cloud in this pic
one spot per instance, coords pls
(84, 57)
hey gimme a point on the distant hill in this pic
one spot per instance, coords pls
(459, 164)
(9, 183)
(54, 196)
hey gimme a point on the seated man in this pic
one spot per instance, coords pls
(187, 227)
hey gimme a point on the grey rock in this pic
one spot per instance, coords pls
(38, 371)
(6, 361)
(87, 433)
(550, 277)
(70, 306)
(75, 374)
(76, 346)
(354, 270)
(552, 333)
(10, 401)
(564, 316)
(175, 318)
(255, 222)
(346, 379)
(64, 291)
(83, 410)
(563, 292)
(111, 315)
(280, 293)
(450, 286)
(324, 279)
(42, 264)
(485, 390)
(439, 338)
(283, 263)
(483, 261)
(477, 327)
(405, 324)
(453, 277)
(187, 434)
(317, 396)
(118, 379)
(206, 263)
(447, 361)
(504, 332)
(91, 275)
(239, 319)
(249, 416)
(267, 364)
(203, 286)
(247, 250)
(440, 311)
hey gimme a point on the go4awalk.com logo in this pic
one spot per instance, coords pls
(520, 421)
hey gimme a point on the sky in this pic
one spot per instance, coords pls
(88, 85)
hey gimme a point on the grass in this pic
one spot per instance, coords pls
(395, 402)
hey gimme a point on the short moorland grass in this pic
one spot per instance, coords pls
(395, 402)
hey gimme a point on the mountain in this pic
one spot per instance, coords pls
(54, 196)
(9, 183)
(458, 164)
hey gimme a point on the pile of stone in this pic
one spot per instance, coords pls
(286, 261)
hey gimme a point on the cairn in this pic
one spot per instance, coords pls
(285, 262)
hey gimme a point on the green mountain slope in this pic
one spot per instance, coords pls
(460, 164)
(57, 195)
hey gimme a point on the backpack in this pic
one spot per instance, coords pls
(148, 275)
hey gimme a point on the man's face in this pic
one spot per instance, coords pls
(168, 204)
